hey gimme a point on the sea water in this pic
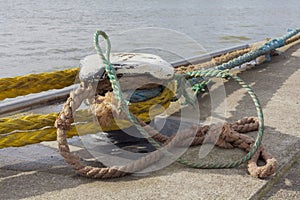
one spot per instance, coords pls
(47, 35)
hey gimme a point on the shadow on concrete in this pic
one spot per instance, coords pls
(264, 79)
(288, 186)
(28, 179)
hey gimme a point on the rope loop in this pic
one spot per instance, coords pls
(98, 33)
(122, 103)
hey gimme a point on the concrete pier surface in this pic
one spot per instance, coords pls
(39, 172)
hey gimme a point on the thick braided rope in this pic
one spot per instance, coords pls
(230, 137)
(28, 122)
(247, 124)
(22, 138)
(63, 123)
(34, 83)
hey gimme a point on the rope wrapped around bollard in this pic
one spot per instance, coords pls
(229, 137)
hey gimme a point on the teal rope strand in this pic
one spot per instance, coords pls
(122, 103)
(264, 49)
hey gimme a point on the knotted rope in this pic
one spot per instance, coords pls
(227, 138)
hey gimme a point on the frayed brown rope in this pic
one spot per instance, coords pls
(105, 109)
(293, 39)
(229, 137)
(213, 62)
(262, 171)
(229, 56)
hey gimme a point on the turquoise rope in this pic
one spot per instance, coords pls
(122, 103)
(247, 57)
(264, 49)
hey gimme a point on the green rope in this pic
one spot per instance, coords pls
(122, 103)
(209, 73)
(225, 74)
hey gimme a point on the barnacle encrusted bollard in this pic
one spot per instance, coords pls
(145, 80)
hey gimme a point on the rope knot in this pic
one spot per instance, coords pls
(106, 109)
(63, 122)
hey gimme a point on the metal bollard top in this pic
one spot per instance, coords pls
(128, 64)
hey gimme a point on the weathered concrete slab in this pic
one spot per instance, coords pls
(39, 172)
